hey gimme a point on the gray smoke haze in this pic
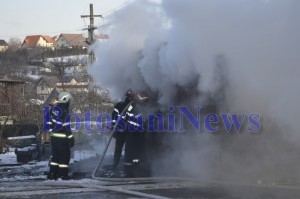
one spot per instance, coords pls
(163, 45)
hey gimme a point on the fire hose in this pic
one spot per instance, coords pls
(117, 189)
(108, 143)
(139, 179)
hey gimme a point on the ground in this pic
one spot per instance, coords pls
(29, 181)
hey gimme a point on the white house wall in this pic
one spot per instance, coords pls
(3, 48)
(61, 42)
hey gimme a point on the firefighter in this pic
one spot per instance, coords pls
(120, 134)
(61, 138)
(135, 137)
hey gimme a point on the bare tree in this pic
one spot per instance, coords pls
(14, 43)
(89, 101)
(60, 65)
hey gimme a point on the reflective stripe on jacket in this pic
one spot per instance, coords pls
(60, 135)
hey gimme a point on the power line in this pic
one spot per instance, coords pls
(111, 10)
(118, 7)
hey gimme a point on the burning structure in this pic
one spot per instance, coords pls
(227, 57)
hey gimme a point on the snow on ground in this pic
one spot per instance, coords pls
(36, 101)
(33, 77)
(68, 58)
(11, 158)
(8, 158)
(33, 170)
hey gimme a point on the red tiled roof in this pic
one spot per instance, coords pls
(48, 38)
(74, 39)
(31, 41)
(55, 37)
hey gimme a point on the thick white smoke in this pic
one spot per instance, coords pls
(162, 45)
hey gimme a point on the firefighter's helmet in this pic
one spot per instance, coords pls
(64, 97)
(129, 93)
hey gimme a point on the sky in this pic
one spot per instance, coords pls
(30, 17)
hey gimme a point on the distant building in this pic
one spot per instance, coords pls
(34, 41)
(12, 105)
(76, 70)
(46, 67)
(45, 85)
(72, 85)
(55, 38)
(3, 45)
(71, 41)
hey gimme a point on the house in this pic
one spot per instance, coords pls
(55, 38)
(3, 45)
(79, 69)
(72, 85)
(71, 40)
(37, 68)
(12, 105)
(34, 41)
(45, 85)
(47, 67)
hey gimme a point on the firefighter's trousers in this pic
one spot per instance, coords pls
(59, 163)
(120, 141)
(134, 153)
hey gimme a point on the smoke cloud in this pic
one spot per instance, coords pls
(163, 46)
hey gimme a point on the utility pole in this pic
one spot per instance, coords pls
(91, 29)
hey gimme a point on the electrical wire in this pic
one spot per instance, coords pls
(117, 8)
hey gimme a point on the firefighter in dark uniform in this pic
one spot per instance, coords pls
(61, 138)
(135, 137)
(120, 134)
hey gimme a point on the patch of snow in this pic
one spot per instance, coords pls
(36, 101)
(20, 178)
(8, 158)
(33, 77)
(68, 58)
(81, 181)
(32, 148)
(37, 164)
